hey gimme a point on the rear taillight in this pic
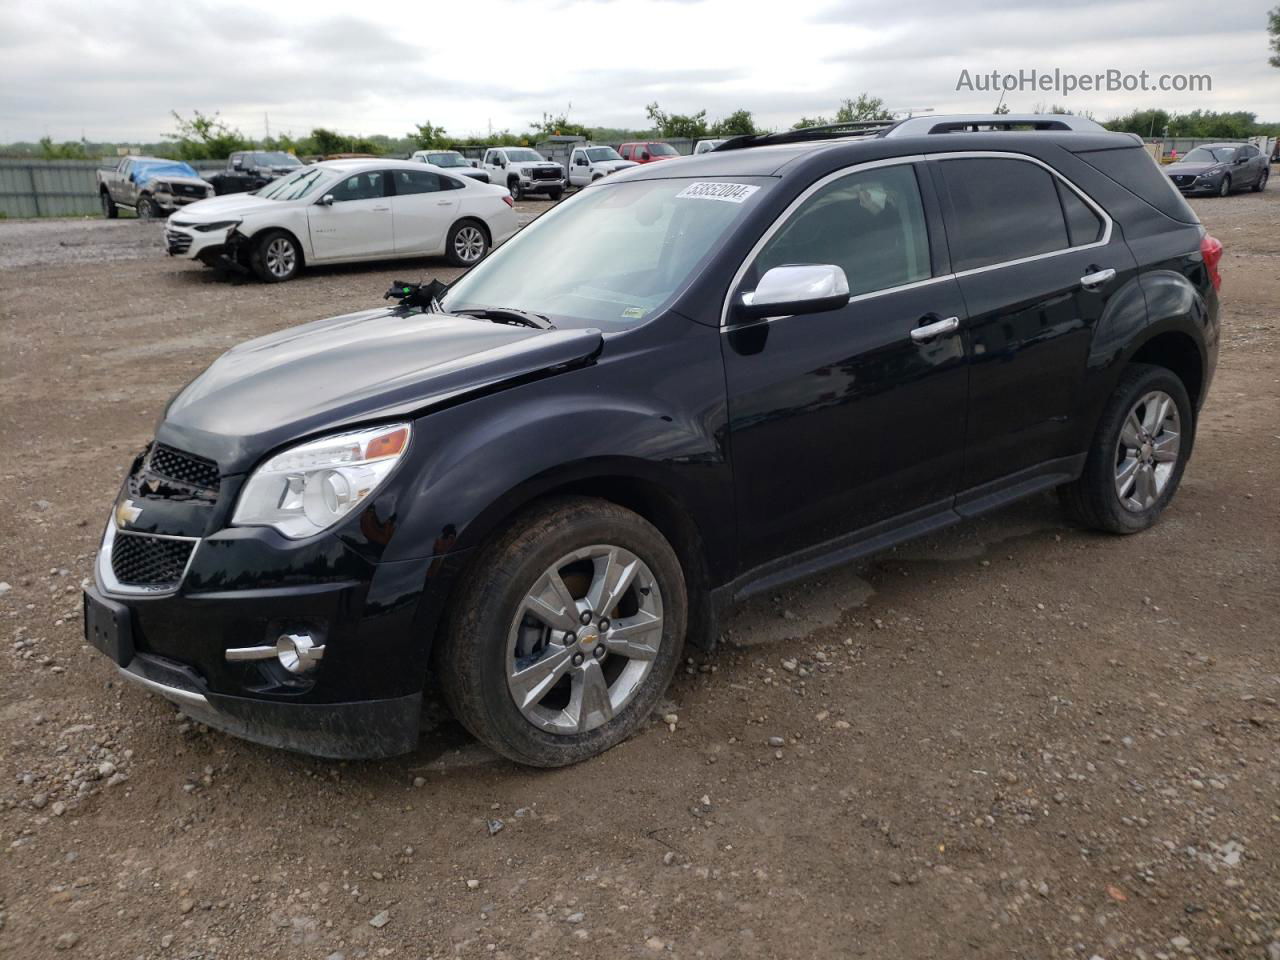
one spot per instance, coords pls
(511, 203)
(1211, 250)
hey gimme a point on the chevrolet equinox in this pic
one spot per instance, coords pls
(691, 382)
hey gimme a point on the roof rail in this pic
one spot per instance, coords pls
(829, 131)
(975, 122)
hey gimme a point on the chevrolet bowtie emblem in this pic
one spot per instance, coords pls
(127, 513)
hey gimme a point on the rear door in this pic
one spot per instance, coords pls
(1039, 265)
(358, 223)
(423, 207)
(841, 420)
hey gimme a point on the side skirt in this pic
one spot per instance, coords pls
(888, 533)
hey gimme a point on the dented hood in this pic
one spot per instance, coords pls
(347, 370)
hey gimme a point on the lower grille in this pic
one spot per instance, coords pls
(141, 560)
(177, 242)
(184, 467)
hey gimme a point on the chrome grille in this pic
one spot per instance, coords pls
(141, 560)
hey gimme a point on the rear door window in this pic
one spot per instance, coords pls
(870, 224)
(1001, 209)
(415, 181)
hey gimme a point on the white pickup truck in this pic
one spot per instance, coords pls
(588, 164)
(524, 171)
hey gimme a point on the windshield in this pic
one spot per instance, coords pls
(523, 156)
(447, 160)
(145, 169)
(293, 188)
(1210, 155)
(662, 150)
(277, 158)
(610, 256)
(603, 153)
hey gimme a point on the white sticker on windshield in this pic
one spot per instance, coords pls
(728, 192)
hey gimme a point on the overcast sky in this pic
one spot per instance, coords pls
(113, 70)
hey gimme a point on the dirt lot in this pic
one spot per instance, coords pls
(1013, 740)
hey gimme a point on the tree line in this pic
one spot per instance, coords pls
(208, 137)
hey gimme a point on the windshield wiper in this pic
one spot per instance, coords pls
(522, 318)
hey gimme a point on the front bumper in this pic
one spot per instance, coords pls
(1201, 186)
(541, 186)
(244, 588)
(192, 244)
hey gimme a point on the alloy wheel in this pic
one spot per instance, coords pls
(280, 257)
(1147, 451)
(468, 244)
(584, 638)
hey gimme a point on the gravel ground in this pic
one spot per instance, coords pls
(1015, 739)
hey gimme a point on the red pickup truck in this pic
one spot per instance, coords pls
(647, 151)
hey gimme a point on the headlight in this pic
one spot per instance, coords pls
(220, 225)
(310, 487)
(162, 187)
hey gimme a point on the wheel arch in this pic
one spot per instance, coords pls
(631, 484)
(1177, 351)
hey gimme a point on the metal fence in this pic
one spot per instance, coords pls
(47, 188)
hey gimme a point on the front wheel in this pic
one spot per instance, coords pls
(566, 634)
(276, 257)
(1138, 453)
(517, 193)
(1262, 181)
(146, 208)
(1226, 186)
(467, 244)
(556, 195)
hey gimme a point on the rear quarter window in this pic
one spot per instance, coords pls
(1135, 170)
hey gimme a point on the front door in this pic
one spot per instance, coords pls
(357, 223)
(843, 420)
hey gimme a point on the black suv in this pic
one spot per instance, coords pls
(691, 382)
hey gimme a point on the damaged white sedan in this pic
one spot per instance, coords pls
(342, 211)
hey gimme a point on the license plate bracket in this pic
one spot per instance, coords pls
(108, 626)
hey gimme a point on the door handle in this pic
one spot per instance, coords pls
(444, 203)
(381, 209)
(1092, 281)
(931, 330)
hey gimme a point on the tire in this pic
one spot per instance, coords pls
(1262, 182)
(109, 209)
(1147, 442)
(467, 243)
(1225, 189)
(517, 193)
(490, 624)
(146, 208)
(276, 257)
(555, 195)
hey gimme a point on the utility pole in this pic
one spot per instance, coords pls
(266, 122)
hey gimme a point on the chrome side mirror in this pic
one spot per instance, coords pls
(796, 288)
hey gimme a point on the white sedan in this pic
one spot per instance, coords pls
(342, 211)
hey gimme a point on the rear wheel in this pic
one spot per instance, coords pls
(566, 634)
(276, 257)
(1138, 453)
(109, 209)
(467, 244)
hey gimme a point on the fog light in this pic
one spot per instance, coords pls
(298, 653)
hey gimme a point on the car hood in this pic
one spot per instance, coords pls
(165, 178)
(335, 373)
(230, 205)
(610, 166)
(1192, 168)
